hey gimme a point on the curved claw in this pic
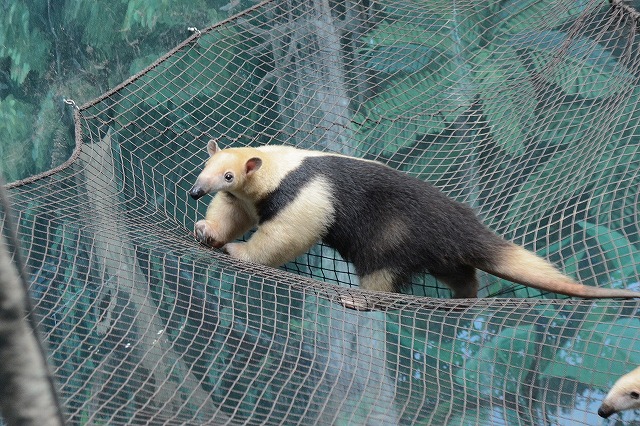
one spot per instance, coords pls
(203, 235)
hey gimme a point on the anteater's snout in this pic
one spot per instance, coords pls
(196, 192)
(605, 411)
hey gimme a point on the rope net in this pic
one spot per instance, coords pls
(527, 111)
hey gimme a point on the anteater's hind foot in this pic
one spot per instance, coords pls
(380, 280)
(358, 302)
(462, 281)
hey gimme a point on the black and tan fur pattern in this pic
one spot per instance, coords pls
(388, 224)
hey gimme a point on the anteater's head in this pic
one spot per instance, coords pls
(226, 170)
(624, 395)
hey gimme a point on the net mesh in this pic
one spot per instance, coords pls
(527, 111)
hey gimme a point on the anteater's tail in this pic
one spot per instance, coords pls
(521, 266)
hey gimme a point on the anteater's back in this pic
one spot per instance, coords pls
(387, 219)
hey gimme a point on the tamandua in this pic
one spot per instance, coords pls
(388, 224)
(624, 395)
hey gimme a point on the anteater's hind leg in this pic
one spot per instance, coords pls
(462, 281)
(380, 280)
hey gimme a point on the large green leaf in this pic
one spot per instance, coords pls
(391, 134)
(620, 253)
(548, 186)
(405, 57)
(566, 123)
(444, 25)
(445, 162)
(555, 180)
(149, 13)
(508, 97)
(600, 354)
(413, 104)
(101, 26)
(579, 65)
(23, 43)
(206, 67)
(613, 185)
(515, 16)
(430, 32)
(17, 122)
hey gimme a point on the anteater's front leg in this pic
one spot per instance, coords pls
(291, 231)
(227, 218)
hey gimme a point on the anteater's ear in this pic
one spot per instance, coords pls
(252, 165)
(212, 146)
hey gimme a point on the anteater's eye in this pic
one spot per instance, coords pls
(634, 395)
(228, 177)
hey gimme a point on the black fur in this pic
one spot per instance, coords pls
(286, 192)
(440, 235)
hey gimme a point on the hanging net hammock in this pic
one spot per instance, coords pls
(527, 111)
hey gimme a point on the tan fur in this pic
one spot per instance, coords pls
(292, 232)
(277, 162)
(524, 267)
(624, 395)
(227, 218)
(394, 232)
(381, 280)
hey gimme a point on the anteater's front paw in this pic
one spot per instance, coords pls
(237, 250)
(207, 235)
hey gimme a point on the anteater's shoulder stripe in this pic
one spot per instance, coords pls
(289, 171)
(293, 184)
